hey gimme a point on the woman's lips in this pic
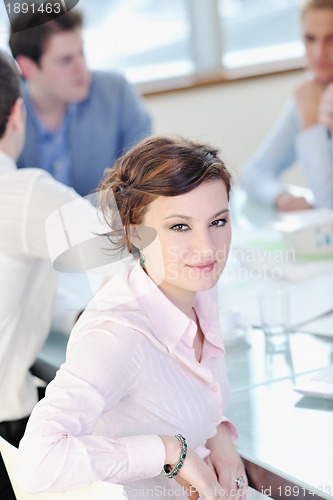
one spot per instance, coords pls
(207, 266)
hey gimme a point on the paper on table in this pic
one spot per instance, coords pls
(303, 219)
(322, 326)
(239, 287)
(263, 249)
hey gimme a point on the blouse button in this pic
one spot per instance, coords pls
(215, 387)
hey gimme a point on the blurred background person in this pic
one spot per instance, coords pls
(303, 132)
(28, 282)
(78, 122)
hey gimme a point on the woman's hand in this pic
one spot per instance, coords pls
(314, 102)
(287, 202)
(195, 476)
(227, 464)
(307, 97)
(325, 111)
(198, 479)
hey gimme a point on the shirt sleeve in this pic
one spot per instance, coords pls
(46, 196)
(61, 436)
(74, 291)
(315, 152)
(261, 176)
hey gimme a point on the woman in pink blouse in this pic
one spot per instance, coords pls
(145, 370)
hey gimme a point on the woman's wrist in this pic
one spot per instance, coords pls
(174, 463)
(171, 445)
(172, 470)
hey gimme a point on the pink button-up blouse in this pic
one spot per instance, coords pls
(130, 375)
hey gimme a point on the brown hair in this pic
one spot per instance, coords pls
(157, 166)
(309, 5)
(31, 42)
(9, 89)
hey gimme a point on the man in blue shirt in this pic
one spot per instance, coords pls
(78, 122)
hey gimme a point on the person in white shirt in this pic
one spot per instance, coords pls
(27, 280)
(303, 132)
(145, 367)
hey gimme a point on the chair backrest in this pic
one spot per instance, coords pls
(95, 491)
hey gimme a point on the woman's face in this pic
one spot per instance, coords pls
(192, 242)
(318, 41)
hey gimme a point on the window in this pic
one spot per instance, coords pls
(157, 40)
(147, 39)
(259, 31)
(3, 26)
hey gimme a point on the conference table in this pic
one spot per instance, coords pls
(285, 439)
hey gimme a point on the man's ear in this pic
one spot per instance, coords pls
(27, 66)
(17, 116)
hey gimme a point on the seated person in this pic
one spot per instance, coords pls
(28, 283)
(78, 122)
(145, 366)
(304, 131)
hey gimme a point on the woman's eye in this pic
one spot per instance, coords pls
(180, 227)
(219, 222)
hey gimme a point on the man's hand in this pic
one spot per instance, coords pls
(287, 202)
(308, 97)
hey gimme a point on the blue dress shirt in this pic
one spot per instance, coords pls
(53, 147)
(95, 132)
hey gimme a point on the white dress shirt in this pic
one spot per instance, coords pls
(130, 375)
(27, 280)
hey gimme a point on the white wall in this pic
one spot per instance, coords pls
(233, 116)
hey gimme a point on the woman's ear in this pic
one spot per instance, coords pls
(134, 236)
(141, 236)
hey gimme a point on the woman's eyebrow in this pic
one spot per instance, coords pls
(191, 218)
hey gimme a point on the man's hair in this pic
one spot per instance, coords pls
(309, 5)
(32, 42)
(9, 89)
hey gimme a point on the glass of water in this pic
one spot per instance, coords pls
(274, 311)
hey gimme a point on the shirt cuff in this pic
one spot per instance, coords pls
(146, 456)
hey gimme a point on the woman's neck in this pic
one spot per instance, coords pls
(183, 299)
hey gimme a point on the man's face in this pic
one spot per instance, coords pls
(318, 41)
(62, 74)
